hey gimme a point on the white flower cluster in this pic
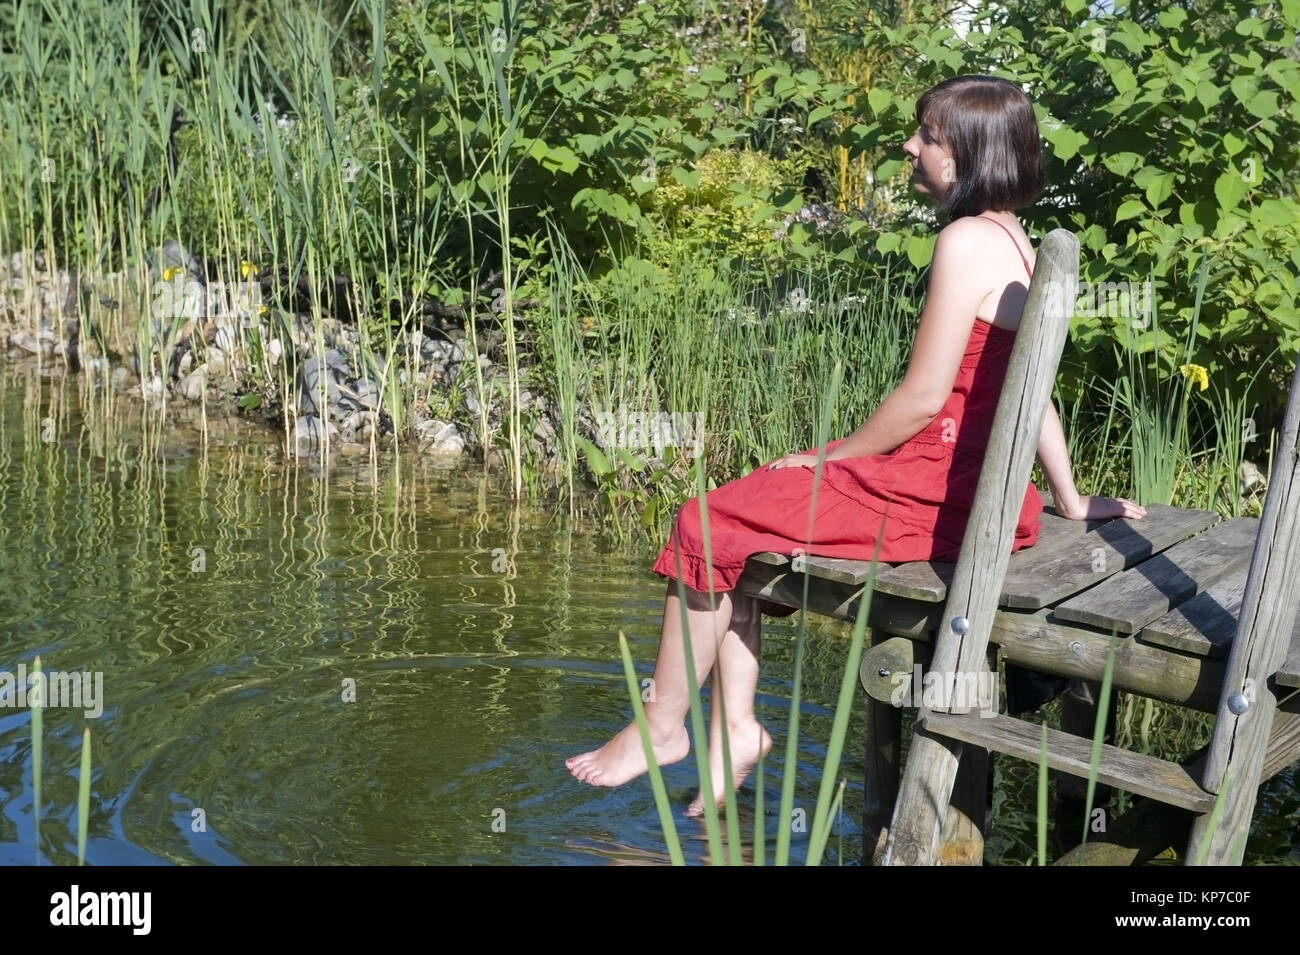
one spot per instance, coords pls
(286, 123)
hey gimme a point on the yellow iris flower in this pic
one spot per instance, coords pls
(1197, 374)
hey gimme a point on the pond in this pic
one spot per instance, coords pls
(358, 665)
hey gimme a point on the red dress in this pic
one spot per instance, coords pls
(917, 498)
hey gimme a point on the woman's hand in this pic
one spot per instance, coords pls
(794, 461)
(1091, 508)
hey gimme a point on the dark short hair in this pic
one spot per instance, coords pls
(989, 125)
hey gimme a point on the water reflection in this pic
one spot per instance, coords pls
(359, 663)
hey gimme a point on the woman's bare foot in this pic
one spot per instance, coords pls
(623, 757)
(749, 742)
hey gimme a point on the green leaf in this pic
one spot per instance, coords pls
(878, 99)
(1122, 77)
(1122, 163)
(888, 169)
(1160, 188)
(1229, 189)
(1275, 212)
(888, 242)
(1130, 209)
(920, 249)
(1172, 18)
(596, 459)
(1263, 104)
(689, 178)
(1233, 144)
(820, 113)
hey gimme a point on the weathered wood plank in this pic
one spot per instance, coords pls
(962, 639)
(1151, 827)
(1130, 600)
(1204, 625)
(1289, 675)
(888, 614)
(928, 580)
(918, 580)
(1246, 716)
(1131, 772)
(1073, 562)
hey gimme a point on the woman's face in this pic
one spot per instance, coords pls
(933, 168)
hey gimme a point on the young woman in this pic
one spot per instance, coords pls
(908, 474)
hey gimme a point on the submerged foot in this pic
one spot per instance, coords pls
(749, 743)
(623, 757)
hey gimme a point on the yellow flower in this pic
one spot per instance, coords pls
(1197, 374)
(247, 268)
(170, 273)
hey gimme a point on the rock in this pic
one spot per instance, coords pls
(24, 340)
(1252, 478)
(440, 438)
(356, 427)
(215, 358)
(309, 432)
(472, 405)
(193, 386)
(172, 254)
(312, 378)
(227, 336)
(367, 393)
(274, 351)
(120, 378)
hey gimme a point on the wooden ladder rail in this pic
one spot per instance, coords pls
(962, 640)
(1247, 711)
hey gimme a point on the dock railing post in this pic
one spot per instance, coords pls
(963, 634)
(1247, 704)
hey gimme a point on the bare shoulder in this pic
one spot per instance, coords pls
(962, 236)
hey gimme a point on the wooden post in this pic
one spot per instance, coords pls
(1247, 705)
(964, 629)
(884, 740)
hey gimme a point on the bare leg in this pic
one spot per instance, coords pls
(735, 682)
(623, 757)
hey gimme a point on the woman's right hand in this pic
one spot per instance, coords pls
(1090, 508)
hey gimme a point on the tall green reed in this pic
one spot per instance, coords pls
(830, 796)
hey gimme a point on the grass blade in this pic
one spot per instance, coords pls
(656, 776)
(83, 798)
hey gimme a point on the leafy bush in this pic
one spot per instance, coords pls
(1172, 137)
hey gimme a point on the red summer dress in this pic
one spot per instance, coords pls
(917, 498)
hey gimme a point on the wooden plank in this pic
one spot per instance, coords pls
(1151, 827)
(1239, 741)
(1289, 675)
(1131, 772)
(888, 614)
(1130, 600)
(928, 580)
(918, 580)
(1075, 561)
(962, 639)
(1204, 625)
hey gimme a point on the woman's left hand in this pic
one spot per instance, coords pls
(794, 461)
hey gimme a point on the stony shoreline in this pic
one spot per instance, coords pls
(224, 343)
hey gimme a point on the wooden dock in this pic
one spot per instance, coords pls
(1200, 612)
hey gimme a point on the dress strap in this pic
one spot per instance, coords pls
(1013, 241)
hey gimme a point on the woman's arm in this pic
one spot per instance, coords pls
(955, 293)
(1054, 456)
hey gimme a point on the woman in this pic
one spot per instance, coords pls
(908, 474)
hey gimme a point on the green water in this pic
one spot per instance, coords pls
(226, 594)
